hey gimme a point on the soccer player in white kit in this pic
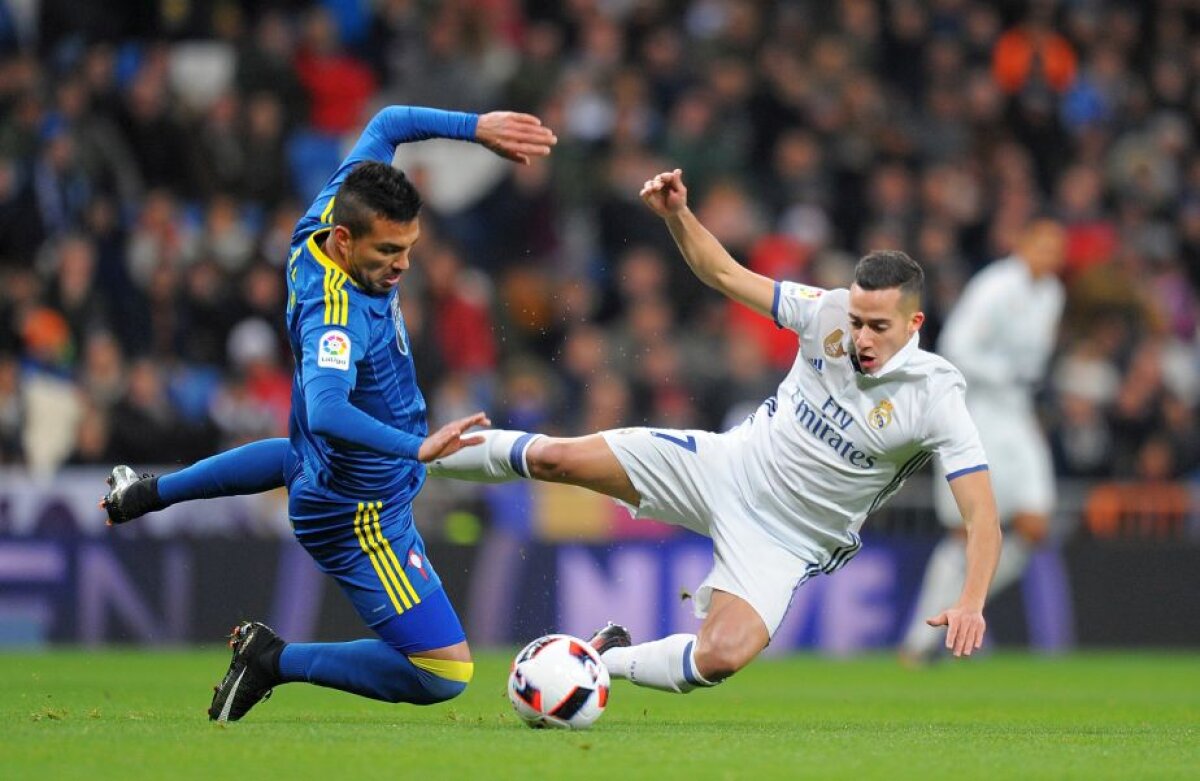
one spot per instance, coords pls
(1000, 335)
(784, 494)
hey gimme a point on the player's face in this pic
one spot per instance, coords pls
(1043, 247)
(378, 258)
(881, 323)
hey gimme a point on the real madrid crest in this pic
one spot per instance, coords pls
(881, 415)
(833, 344)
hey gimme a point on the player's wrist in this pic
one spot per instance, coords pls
(967, 605)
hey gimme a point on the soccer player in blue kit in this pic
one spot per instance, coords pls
(358, 440)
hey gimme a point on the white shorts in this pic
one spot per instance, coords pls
(685, 478)
(1018, 463)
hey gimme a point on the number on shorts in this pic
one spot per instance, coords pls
(687, 443)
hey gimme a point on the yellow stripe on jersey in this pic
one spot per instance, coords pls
(362, 530)
(343, 308)
(337, 300)
(318, 252)
(328, 295)
(445, 668)
(387, 546)
(326, 216)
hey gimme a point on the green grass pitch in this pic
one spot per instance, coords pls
(101, 715)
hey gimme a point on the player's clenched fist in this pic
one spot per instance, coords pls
(665, 194)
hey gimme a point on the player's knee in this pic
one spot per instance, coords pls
(437, 689)
(1033, 528)
(439, 679)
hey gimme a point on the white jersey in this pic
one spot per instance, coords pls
(1001, 334)
(836, 443)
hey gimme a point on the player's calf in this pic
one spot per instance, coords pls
(717, 659)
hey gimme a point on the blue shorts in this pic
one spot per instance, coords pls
(374, 552)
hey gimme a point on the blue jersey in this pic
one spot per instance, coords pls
(352, 345)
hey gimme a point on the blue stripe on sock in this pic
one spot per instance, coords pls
(688, 672)
(516, 456)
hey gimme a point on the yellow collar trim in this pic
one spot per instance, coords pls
(317, 252)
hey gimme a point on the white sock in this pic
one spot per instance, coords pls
(668, 664)
(1014, 556)
(944, 577)
(501, 457)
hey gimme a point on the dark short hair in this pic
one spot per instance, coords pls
(886, 269)
(373, 189)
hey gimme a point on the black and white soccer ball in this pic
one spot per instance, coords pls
(558, 681)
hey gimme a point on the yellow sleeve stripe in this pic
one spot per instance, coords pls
(362, 531)
(387, 546)
(337, 300)
(445, 668)
(328, 212)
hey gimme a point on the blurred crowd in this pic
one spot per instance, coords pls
(154, 158)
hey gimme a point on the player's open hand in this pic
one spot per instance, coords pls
(516, 137)
(665, 193)
(451, 438)
(964, 629)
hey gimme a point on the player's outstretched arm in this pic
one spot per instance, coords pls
(666, 196)
(513, 136)
(964, 622)
(452, 437)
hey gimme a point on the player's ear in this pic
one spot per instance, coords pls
(915, 322)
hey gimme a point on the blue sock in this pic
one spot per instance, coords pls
(371, 668)
(249, 469)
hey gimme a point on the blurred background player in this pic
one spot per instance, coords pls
(357, 436)
(1000, 335)
(783, 495)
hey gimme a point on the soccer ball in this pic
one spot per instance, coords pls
(558, 681)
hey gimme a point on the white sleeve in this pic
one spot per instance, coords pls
(1040, 353)
(795, 305)
(952, 436)
(968, 335)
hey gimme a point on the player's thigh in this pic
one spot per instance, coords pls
(751, 565)
(679, 475)
(1020, 469)
(1022, 473)
(588, 462)
(384, 571)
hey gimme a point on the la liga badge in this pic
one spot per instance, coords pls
(333, 351)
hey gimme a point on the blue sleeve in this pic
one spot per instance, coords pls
(331, 415)
(334, 338)
(391, 127)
